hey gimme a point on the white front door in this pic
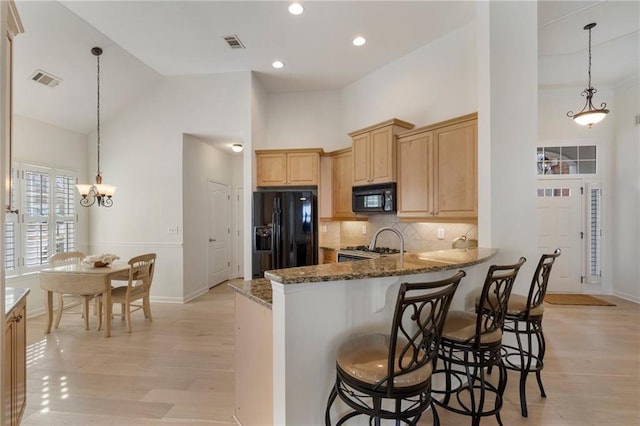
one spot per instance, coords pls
(560, 213)
(219, 231)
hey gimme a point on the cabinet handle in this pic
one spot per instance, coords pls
(18, 318)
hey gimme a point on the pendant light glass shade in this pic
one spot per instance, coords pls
(99, 192)
(589, 115)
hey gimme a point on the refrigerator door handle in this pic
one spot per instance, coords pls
(275, 223)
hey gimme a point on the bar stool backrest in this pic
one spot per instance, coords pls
(417, 325)
(492, 307)
(540, 280)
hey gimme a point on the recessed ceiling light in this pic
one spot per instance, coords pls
(237, 147)
(277, 64)
(359, 41)
(296, 9)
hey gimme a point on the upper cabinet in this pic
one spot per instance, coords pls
(294, 167)
(374, 153)
(342, 179)
(438, 170)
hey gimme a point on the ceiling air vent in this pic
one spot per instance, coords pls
(45, 78)
(234, 42)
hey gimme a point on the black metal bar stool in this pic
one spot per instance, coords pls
(389, 376)
(524, 321)
(470, 343)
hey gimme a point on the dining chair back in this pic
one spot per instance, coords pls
(63, 259)
(141, 270)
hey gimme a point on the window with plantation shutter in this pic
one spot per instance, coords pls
(47, 220)
(65, 232)
(10, 258)
(11, 240)
(36, 184)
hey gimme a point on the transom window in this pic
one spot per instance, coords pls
(566, 160)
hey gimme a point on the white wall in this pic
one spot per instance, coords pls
(431, 84)
(202, 163)
(507, 132)
(309, 119)
(626, 189)
(259, 120)
(142, 153)
(40, 143)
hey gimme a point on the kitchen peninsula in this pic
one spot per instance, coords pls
(315, 308)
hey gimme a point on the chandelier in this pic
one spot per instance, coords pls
(589, 115)
(98, 192)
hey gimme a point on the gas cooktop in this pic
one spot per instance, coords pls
(379, 250)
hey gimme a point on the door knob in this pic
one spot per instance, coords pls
(211, 240)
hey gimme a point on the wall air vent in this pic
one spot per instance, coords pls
(45, 78)
(234, 42)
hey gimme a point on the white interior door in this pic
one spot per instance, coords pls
(240, 233)
(219, 232)
(560, 225)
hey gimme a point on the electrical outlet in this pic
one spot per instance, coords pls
(172, 230)
(441, 233)
(364, 229)
(324, 228)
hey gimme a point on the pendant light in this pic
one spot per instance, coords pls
(589, 115)
(100, 192)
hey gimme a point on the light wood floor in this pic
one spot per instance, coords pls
(179, 369)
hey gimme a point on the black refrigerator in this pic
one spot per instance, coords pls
(285, 230)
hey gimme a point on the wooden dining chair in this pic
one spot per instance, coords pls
(138, 287)
(70, 258)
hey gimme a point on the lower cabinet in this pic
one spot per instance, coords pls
(329, 255)
(15, 359)
(254, 363)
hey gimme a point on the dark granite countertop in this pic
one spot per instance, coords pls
(258, 290)
(384, 266)
(329, 247)
(13, 296)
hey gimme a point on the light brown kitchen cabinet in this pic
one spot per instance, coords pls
(325, 188)
(438, 170)
(328, 255)
(342, 184)
(374, 153)
(296, 167)
(14, 392)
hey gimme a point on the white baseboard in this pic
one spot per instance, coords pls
(626, 296)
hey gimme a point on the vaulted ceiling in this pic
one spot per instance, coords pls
(146, 40)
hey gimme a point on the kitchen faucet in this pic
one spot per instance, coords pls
(372, 246)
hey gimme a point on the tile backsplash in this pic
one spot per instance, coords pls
(417, 236)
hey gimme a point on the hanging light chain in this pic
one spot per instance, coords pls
(98, 111)
(589, 27)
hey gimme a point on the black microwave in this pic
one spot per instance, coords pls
(374, 198)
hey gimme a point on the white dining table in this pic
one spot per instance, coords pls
(82, 280)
